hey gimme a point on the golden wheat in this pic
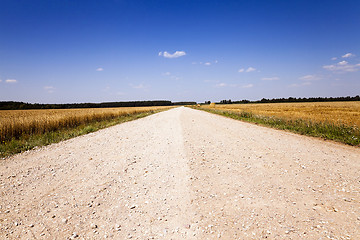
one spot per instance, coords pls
(16, 123)
(347, 113)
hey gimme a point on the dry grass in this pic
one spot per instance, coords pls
(17, 123)
(338, 113)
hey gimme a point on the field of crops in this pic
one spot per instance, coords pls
(17, 123)
(338, 113)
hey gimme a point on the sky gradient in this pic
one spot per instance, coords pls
(64, 51)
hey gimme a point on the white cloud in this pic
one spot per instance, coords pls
(330, 67)
(99, 69)
(270, 79)
(301, 84)
(348, 55)
(310, 78)
(342, 67)
(11, 81)
(139, 86)
(206, 63)
(307, 80)
(241, 70)
(166, 74)
(221, 85)
(174, 55)
(334, 58)
(343, 63)
(248, 86)
(0, 80)
(250, 69)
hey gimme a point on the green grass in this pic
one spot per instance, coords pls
(328, 131)
(28, 142)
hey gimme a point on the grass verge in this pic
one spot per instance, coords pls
(328, 131)
(28, 142)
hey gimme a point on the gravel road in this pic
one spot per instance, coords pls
(183, 174)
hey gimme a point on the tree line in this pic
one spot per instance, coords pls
(292, 99)
(12, 105)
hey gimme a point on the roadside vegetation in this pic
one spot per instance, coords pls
(22, 130)
(338, 121)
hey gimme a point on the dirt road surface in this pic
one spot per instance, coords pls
(183, 174)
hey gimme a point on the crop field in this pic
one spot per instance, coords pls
(347, 113)
(18, 128)
(331, 120)
(16, 123)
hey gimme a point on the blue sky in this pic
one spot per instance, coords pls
(60, 51)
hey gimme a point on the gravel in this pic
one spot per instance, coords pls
(183, 174)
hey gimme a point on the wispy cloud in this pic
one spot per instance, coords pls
(221, 85)
(206, 63)
(306, 80)
(250, 69)
(175, 77)
(247, 86)
(138, 86)
(342, 67)
(310, 78)
(0, 80)
(11, 81)
(270, 78)
(174, 55)
(169, 74)
(343, 63)
(334, 58)
(300, 84)
(347, 55)
(49, 89)
(99, 69)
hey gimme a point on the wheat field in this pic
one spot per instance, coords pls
(17, 123)
(338, 113)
